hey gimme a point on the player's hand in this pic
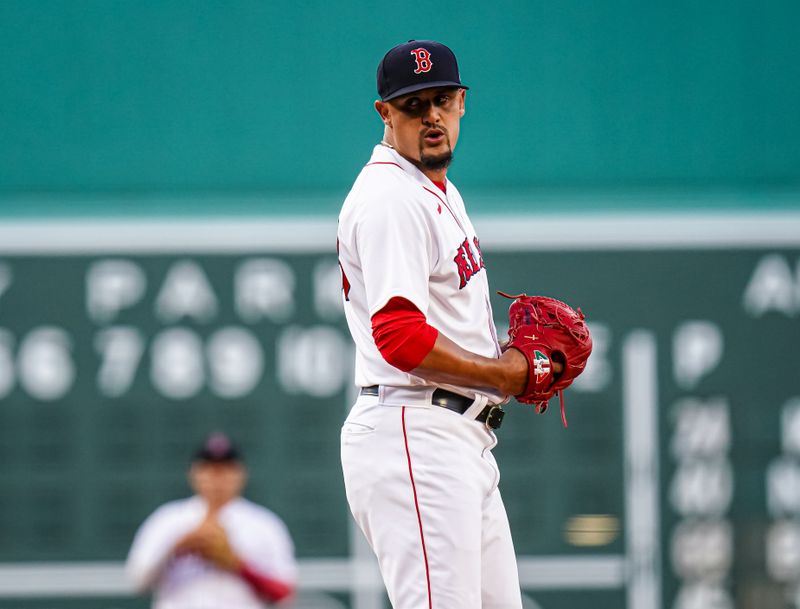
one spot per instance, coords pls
(210, 541)
(213, 544)
(216, 547)
(557, 360)
(195, 539)
(189, 543)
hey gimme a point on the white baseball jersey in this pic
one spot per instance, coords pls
(421, 480)
(400, 235)
(255, 533)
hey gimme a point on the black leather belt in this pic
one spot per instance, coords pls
(491, 415)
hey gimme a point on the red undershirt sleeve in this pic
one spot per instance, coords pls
(267, 588)
(402, 334)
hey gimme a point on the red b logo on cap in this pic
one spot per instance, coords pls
(423, 59)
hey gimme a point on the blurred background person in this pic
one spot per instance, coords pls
(215, 549)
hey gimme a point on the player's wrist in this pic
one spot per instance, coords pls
(228, 561)
(514, 372)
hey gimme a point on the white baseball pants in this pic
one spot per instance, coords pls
(421, 482)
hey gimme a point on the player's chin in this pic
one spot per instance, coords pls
(436, 162)
(438, 150)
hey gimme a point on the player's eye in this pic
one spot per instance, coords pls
(414, 107)
(442, 100)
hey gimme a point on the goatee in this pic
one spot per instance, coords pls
(437, 162)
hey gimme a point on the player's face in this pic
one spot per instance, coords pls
(218, 483)
(423, 126)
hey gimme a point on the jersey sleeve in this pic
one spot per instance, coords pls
(395, 247)
(402, 334)
(268, 548)
(152, 547)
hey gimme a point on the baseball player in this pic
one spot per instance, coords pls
(420, 477)
(215, 550)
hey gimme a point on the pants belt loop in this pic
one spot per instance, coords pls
(477, 406)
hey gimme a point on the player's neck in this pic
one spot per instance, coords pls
(441, 185)
(215, 505)
(434, 175)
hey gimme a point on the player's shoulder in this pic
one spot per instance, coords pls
(175, 510)
(386, 190)
(382, 179)
(382, 191)
(256, 513)
(385, 172)
(256, 510)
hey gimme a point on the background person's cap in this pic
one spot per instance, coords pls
(217, 448)
(416, 65)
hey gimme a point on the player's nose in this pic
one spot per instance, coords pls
(432, 114)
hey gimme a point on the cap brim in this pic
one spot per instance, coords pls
(421, 86)
(228, 457)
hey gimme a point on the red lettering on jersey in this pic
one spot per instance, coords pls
(462, 260)
(466, 263)
(345, 284)
(423, 59)
(477, 243)
(475, 265)
(464, 272)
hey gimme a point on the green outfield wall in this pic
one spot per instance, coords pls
(263, 101)
(674, 486)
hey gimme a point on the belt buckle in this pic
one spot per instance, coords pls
(494, 417)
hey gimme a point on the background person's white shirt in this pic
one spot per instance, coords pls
(257, 536)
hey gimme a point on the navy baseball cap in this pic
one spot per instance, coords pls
(217, 448)
(416, 65)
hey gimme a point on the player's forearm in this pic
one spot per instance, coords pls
(143, 572)
(151, 550)
(269, 588)
(449, 363)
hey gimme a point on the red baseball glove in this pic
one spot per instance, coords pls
(546, 330)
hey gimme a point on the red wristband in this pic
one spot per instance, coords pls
(270, 589)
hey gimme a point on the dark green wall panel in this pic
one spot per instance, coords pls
(91, 444)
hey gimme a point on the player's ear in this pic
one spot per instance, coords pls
(462, 102)
(382, 108)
